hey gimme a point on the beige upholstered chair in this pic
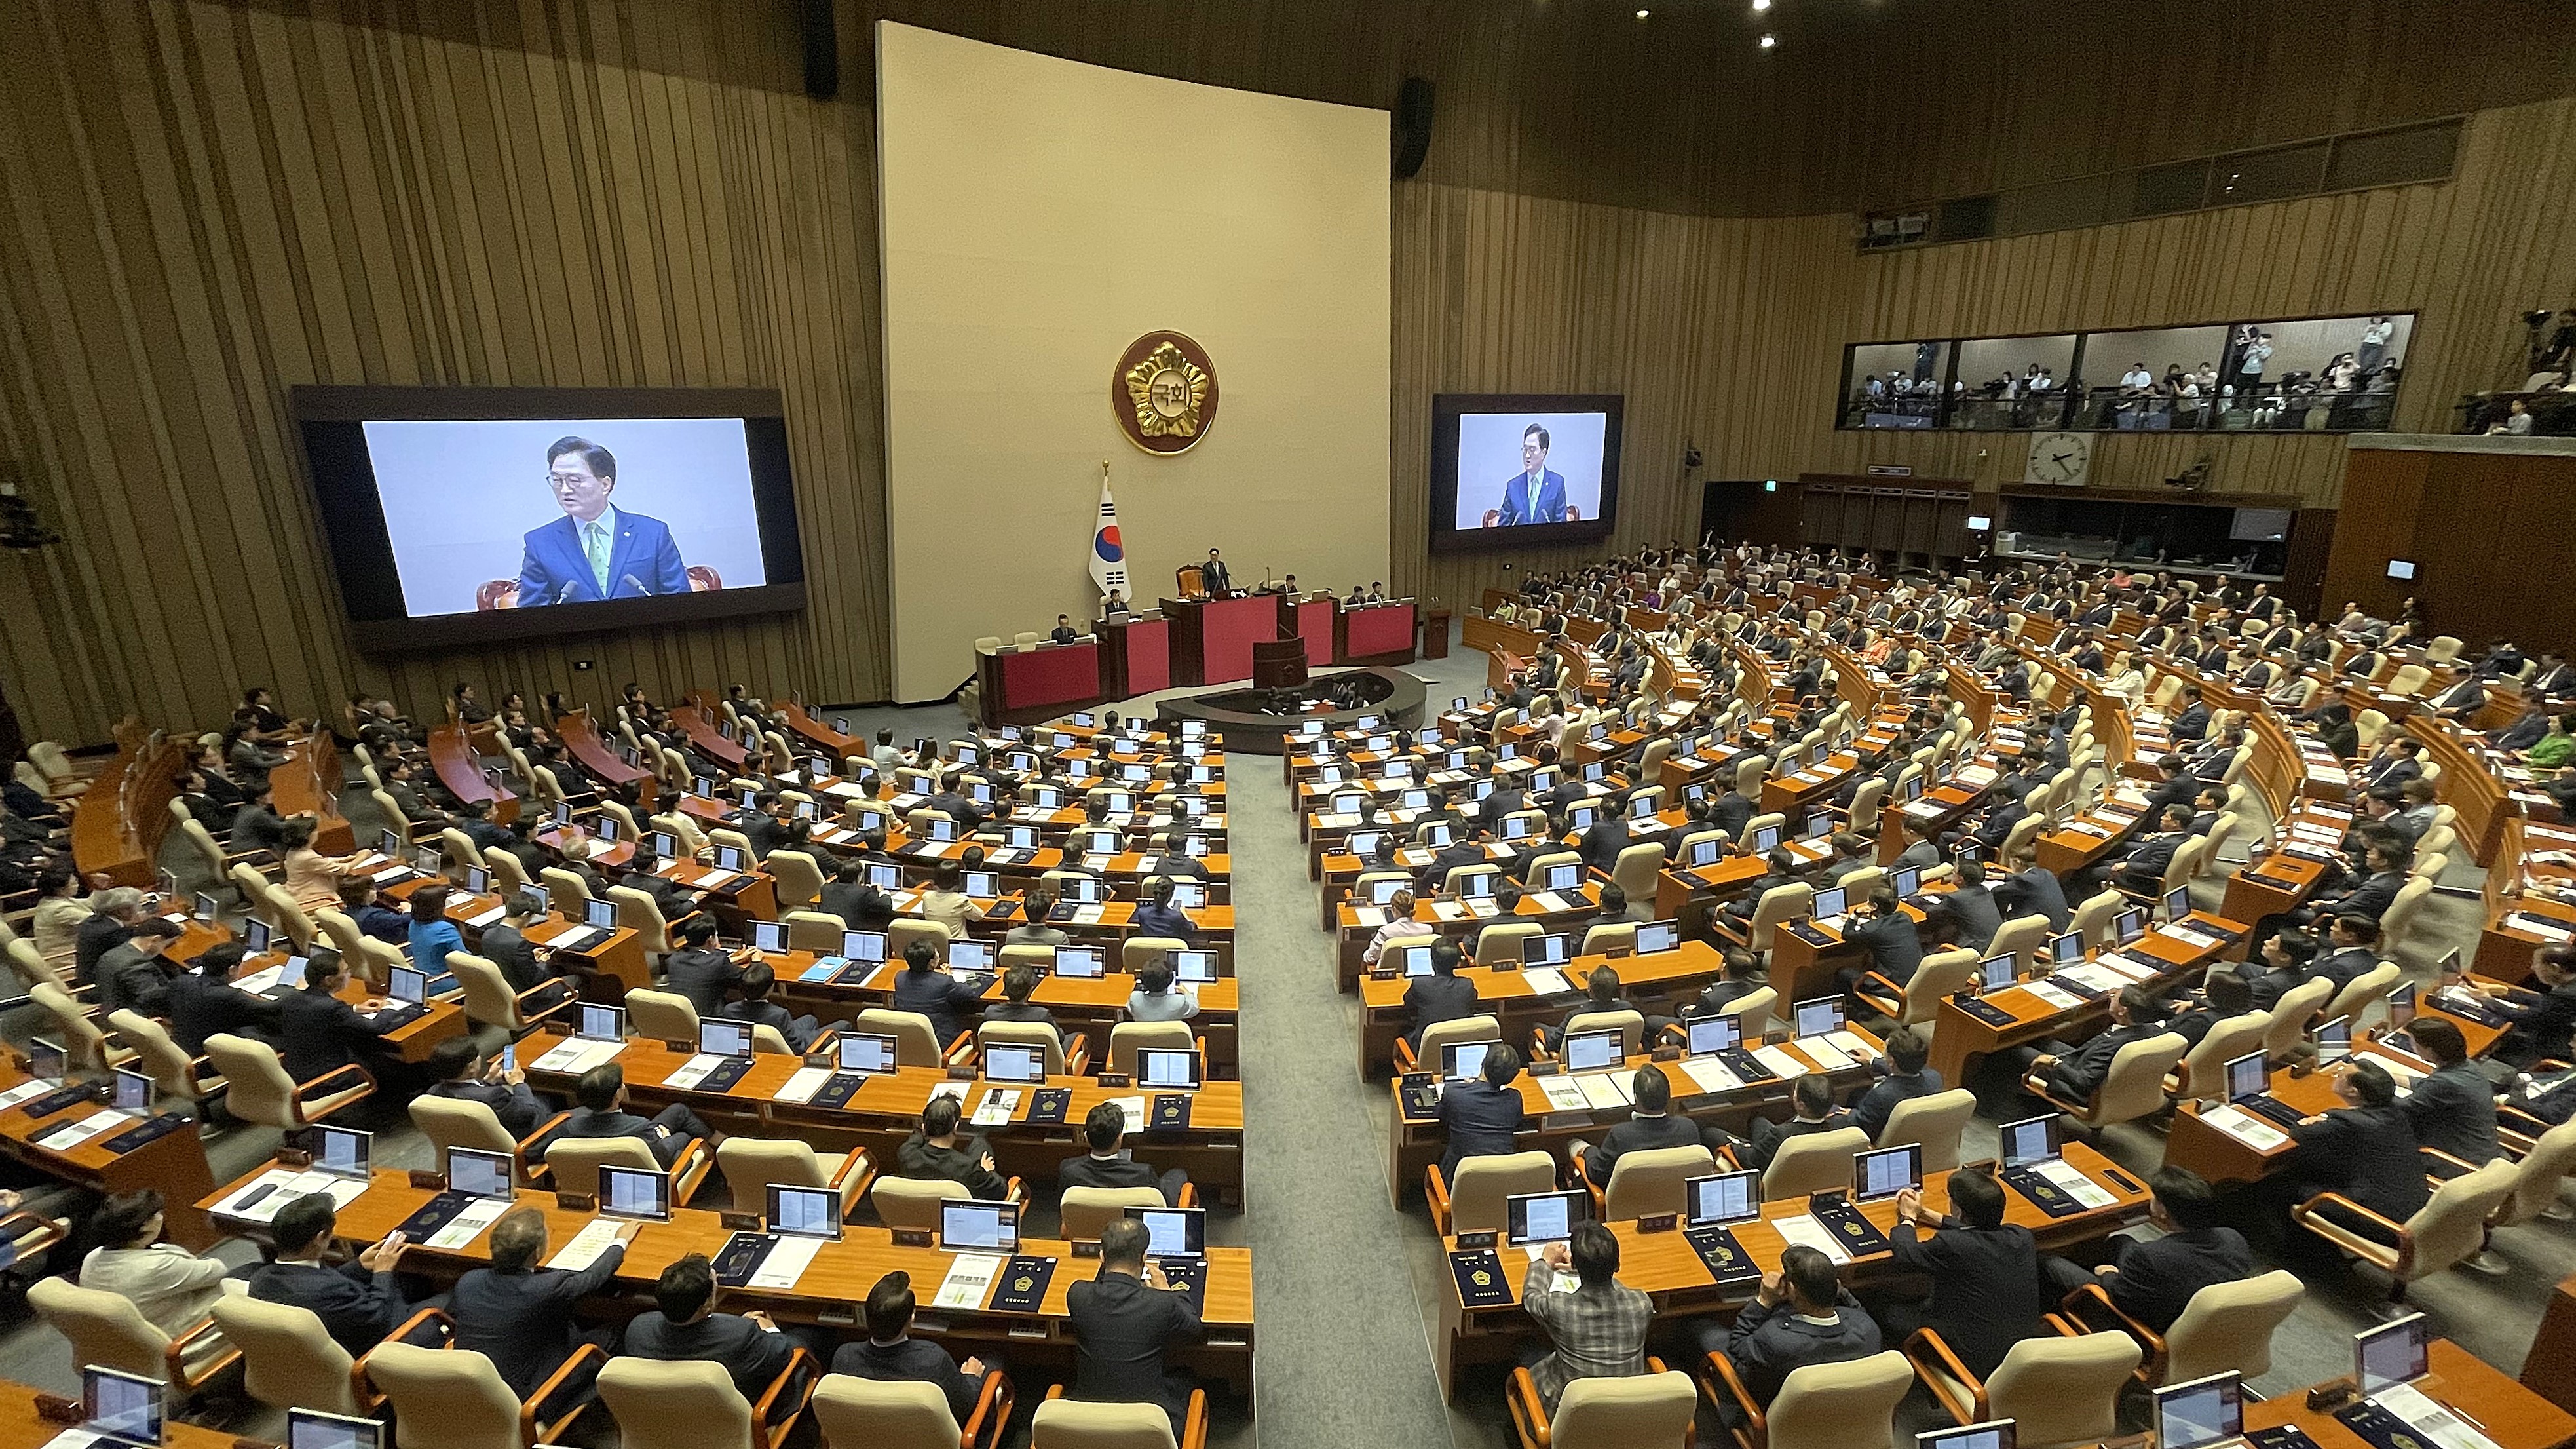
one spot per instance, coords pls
(2292, 1015)
(1849, 1405)
(461, 1393)
(913, 1202)
(173, 1072)
(1609, 936)
(1934, 1122)
(2203, 1072)
(574, 1163)
(107, 1329)
(2022, 936)
(1062, 1423)
(288, 1358)
(1643, 1411)
(661, 1016)
(452, 1122)
(1501, 941)
(2057, 1390)
(1813, 1163)
(1474, 1203)
(640, 913)
(2134, 1087)
(1045, 1036)
(1917, 1003)
(692, 1404)
(800, 880)
(1630, 1024)
(857, 1413)
(2536, 1178)
(259, 1090)
(1086, 1210)
(2364, 993)
(2225, 1326)
(86, 1047)
(814, 931)
(2447, 1231)
(489, 1001)
(1637, 869)
(1645, 1183)
(916, 1044)
(1778, 906)
(752, 1165)
(1127, 1036)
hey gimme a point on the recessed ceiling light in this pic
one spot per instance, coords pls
(1761, 5)
(1642, 14)
(1770, 42)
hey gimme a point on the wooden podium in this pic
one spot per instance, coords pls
(1278, 663)
(1212, 639)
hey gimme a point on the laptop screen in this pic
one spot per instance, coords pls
(133, 1092)
(2391, 1354)
(477, 1172)
(1726, 1197)
(2128, 926)
(725, 1038)
(2067, 949)
(1766, 840)
(1996, 971)
(313, 1429)
(2177, 903)
(1564, 876)
(1592, 1050)
(979, 1226)
(342, 1150)
(2246, 1077)
(728, 857)
(1173, 1232)
(1907, 880)
(1087, 962)
(1548, 950)
(599, 1023)
(1819, 1016)
(2200, 1413)
(1887, 1172)
(255, 936)
(805, 1211)
(1545, 1217)
(2028, 1142)
(1009, 1062)
(770, 936)
(1196, 967)
(1658, 936)
(123, 1405)
(2333, 1040)
(1167, 1067)
(533, 903)
(866, 1052)
(402, 983)
(1715, 1034)
(863, 945)
(626, 1192)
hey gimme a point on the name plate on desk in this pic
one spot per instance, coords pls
(1481, 1283)
(1023, 1285)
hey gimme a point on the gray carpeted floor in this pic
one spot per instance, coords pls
(1345, 1289)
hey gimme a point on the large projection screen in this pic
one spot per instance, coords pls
(1038, 215)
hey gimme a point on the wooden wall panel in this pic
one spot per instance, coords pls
(2486, 529)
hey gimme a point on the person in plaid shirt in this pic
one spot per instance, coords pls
(1599, 1328)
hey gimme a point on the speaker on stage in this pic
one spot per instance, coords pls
(1412, 131)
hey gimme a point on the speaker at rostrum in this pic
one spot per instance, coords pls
(822, 48)
(1412, 126)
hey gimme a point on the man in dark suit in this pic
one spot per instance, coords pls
(2073, 1073)
(2364, 1149)
(847, 893)
(2285, 957)
(2387, 860)
(475, 819)
(2354, 940)
(131, 977)
(1737, 979)
(1987, 1291)
(2143, 868)
(1536, 494)
(1907, 1077)
(1109, 1164)
(936, 1150)
(934, 993)
(2193, 721)
(2453, 1108)
(1123, 1319)
(463, 1076)
(889, 1354)
(1607, 835)
(1880, 927)
(1728, 810)
(1974, 912)
(748, 1346)
(2153, 1279)
(1823, 1324)
(359, 1301)
(1482, 1113)
(700, 971)
(601, 1093)
(1652, 1126)
(204, 1001)
(521, 1316)
(321, 1032)
(1440, 996)
(596, 550)
(1468, 850)
(1813, 1101)
(114, 913)
(1215, 577)
(255, 825)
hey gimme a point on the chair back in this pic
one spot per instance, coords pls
(459, 847)
(104, 1328)
(1848, 1405)
(913, 1202)
(565, 891)
(455, 1388)
(2452, 1228)
(1476, 1194)
(674, 1403)
(257, 1088)
(1865, 800)
(345, 937)
(752, 1165)
(640, 913)
(1465, 1028)
(1077, 1424)
(509, 876)
(1645, 1183)
(1935, 1122)
(2364, 992)
(1636, 869)
(575, 1162)
(1815, 1162)
(1636, 1410)
(2204, 1067)
(2291, 1014)
(2093, 918)
(2537, 1176)
(288, 1358)
(2401, 912)
(1779, 904)
(2063, 1390)
(1940, 974)
(1142, 951)
(799, 878)
(916, 1042)
(1037, 1034)
(902, 931)
(1126, 1036)
(2135, 1085)
(2022, 936)
(817, 932)
(454, 1122)
(173, 1072)
(1086, 1210)
(1752, 1010)
(1610, 936)
(661, 1015)
(856, 1413)
(2229, 1326)
(1628, 1022)
(489, 1001)
(1501, 941)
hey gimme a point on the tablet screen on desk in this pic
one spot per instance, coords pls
(2028, 1142)
(1173, 1232)
(1887, 1172)
(342, 1150)
(626, 1192)
(1715, 1034)
(599, 1023)
(1081, 962)
(1820, 1016)
(477, 1172)
(1167, 1067)
(769, 936)
(1658, 936)
(805, 1211)
(124, 1406)
(1004, 1062)
(992, 1227)
(863, 945)
(2246, 1076)
(1587, 1051)
(1723, 1198)
(2393, 1353)
(725, 1038)
(1196, 967)
(866, 1052)
(313, 1429)
(1992, 1434)
(2201, 1413)
(1545, 1217)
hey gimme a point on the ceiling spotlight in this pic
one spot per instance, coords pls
(1642, 14)
(1761, 5)
(1770, 42)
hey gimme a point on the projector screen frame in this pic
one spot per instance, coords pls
(332, 446)
(1445, 536)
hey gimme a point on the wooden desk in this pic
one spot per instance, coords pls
(2511, 1415)
(412, 1041)
(619, 959)
(452, 757)
(117, 825)
(1085, 1009)
(20, 1428)
(2220, 1157)
(309, 784)
(841, 747)
(699, 725)
(834, 1283)
(1667, 1268)
(1653, 981)
(1135, 655)
(174, 1162)
(1023, 685)
(887, 1108)
(2549, 1369)
(581, 738)
(1960, 1041)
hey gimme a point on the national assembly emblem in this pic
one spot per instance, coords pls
(1164, 393)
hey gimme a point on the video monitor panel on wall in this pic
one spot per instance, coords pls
(2287, 375)
(1510, 470)
(467, 515)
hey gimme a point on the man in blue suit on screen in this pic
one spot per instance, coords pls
(1534, 495)
(595, 551)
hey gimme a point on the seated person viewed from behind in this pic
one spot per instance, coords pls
(2152, 1279)
(204, 1002)
(1907, 1077)
(1482, 1114)
(684, 1325)
(890, 1354)
(923, 987)
(1813, 1101)
(936, 1150)
(2073, 1074)
(601, 1093)
(359, 1302)
(171, 1287)
(1651, 1126)
(1987, 1291)
(1157, 998)
(758, 981)
(2363, 1149)
(321, 1032)
(1595, 1330)
(1802, 1316)
(1109, 1164)
(1441, 996)
(522, 1316)
(1123, 1320)
(461, 1073)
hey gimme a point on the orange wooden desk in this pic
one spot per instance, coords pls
(2508, 1413)
(174, 1162)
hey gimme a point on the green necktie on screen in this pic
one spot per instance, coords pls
(597, 533)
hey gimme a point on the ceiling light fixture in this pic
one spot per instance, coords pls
(1642, 14)
(1761, 5)
(1770, 42)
